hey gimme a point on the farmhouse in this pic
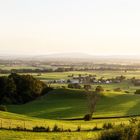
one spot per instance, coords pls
(74, 81)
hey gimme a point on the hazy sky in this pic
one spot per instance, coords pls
(89, 26)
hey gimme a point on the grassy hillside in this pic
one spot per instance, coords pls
(66, 103)
(62, 104)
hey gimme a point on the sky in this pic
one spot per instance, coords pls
(98, 27)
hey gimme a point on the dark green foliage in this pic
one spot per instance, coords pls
(117, 89)
(39, 129)
(99, 89)
(78, 129)
(87, 87)
(68, 130)
(56, 129)
(121, 133)
(107, 125)
(96, 128)
(88, 117)
(19, 89)
(48, 129)
(3, 108)
(137, 91)
(18, 128)
(127, 92)
(76, 86)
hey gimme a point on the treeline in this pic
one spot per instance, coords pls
(3, 71)
(65, 69)
(19, 89)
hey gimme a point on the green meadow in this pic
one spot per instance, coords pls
(60, 105)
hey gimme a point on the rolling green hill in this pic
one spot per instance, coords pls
(66, 103)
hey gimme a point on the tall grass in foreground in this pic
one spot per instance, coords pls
(122, 132)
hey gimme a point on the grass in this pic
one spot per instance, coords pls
(66, 103)
(62, 104)
(12, 135)
(99, 74)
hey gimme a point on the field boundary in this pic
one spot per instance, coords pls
(103, 118)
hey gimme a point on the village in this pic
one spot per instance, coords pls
(87, 79)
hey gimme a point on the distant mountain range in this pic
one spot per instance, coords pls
(67, 55)
(58, 56)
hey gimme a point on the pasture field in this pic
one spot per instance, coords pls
(66, 103)
(99, 74)
(12, 135)
(60, 105)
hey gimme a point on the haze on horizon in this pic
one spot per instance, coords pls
(86, 26)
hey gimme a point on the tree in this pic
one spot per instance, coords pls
(19, 89)
(87, 87)
(137, 91)
(99, 89)
(92, 99)
(74, 85)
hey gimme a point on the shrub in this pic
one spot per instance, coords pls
(137, 91)
(87, 86)
(69, 130)
(39, 129)
(107, 125)
(120, 133)
(127, 92)
(108, 90)
(117, 89)
(76, 86)
(56, 129)
(96, 128)
(48, 129)
(19, 128)
(99, 89)
(88, 117)
(3, 108)
(111, 135)
(78, 129)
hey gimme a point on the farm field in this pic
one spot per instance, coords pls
(99, 74)
(60, 105)
(12, 135)
(66, 103)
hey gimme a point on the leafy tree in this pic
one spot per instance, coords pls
(75, 85)
(18, 89)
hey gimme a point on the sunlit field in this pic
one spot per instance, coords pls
(60, 105)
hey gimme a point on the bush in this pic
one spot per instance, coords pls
(88, 117)
(127, 92)
(76, 86)
(18, 128)
(96, 128)
(117, 89)
(120, 133)
(99, 89)
(56, 129)
(68, 130)
(39, 129)
(107, 125)
(111, 135)
(3, 108)
(48, 129)
(137, 91)
(87, 86)
(78, 129)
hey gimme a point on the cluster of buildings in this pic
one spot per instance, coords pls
(88, 79)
